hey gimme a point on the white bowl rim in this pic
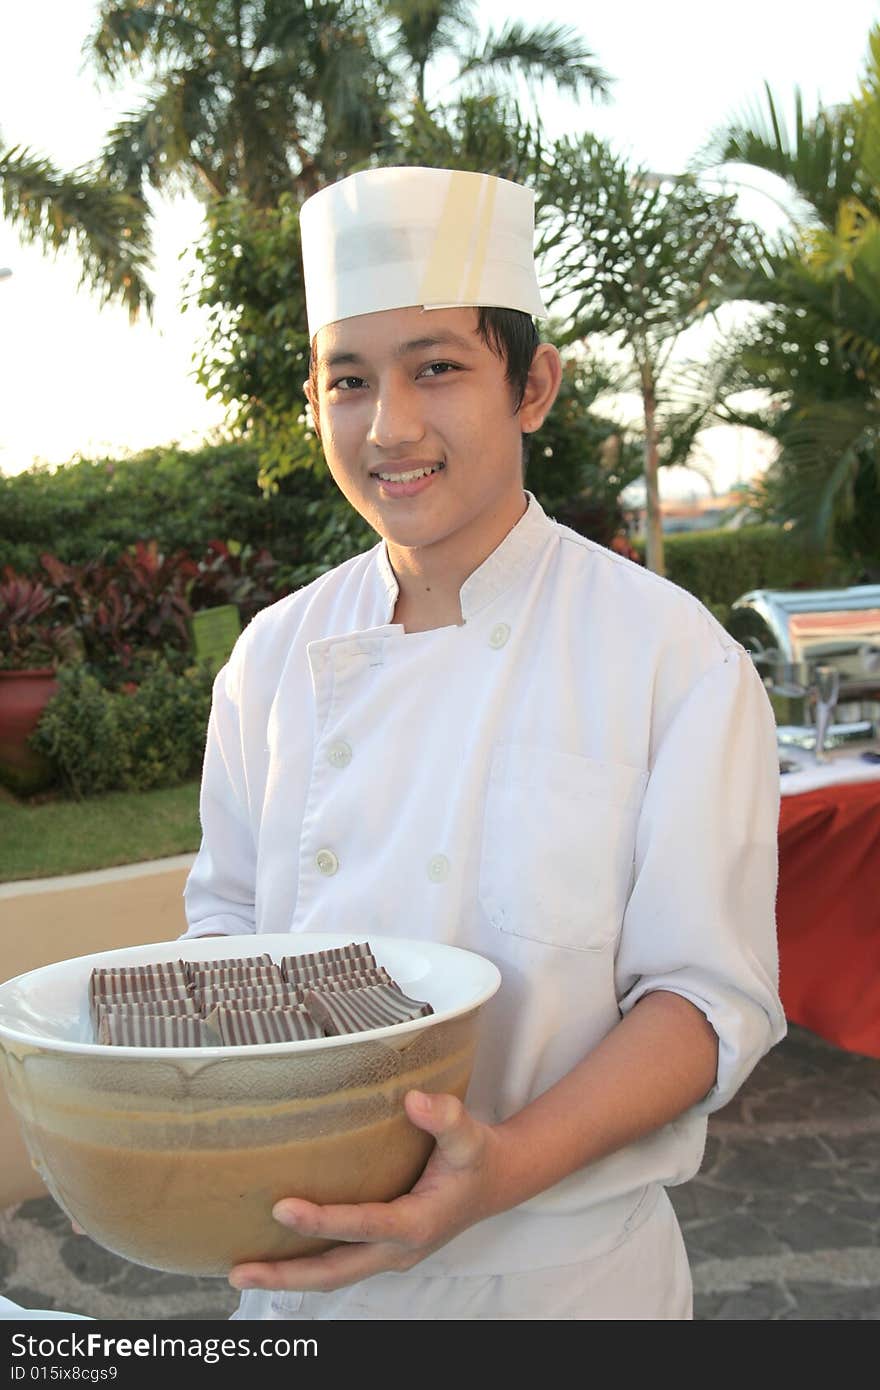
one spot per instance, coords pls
(215, 947)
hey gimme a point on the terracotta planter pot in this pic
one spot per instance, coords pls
(23, 697)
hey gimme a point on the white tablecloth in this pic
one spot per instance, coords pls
(843, 767)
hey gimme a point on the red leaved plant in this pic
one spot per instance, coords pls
(137, 602)
(30, 636)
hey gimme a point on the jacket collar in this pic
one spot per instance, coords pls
(514, 557)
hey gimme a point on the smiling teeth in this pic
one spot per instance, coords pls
(408, 477)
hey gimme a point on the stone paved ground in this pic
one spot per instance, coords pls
(781, 1223)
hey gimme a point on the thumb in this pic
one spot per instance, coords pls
(444, 1116)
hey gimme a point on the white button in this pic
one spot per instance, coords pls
(499, 635)
(438, 868)
(339, 753)
(326, 861)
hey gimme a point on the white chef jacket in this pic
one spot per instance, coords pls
(580, 782)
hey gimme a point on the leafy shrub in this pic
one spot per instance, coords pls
(150, 734)
(164, 721)
(580, 461)
(719, 566)
(256, 352)
(857, 535)
(96, 508)
(82, 732)
(231, 573)
(332, 533)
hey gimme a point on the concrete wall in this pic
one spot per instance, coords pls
(55, 919)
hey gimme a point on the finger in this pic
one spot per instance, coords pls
(361, 1222)
(77, 1228)
(347, 1264)
(457, 1134)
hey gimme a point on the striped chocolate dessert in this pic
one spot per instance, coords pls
(137, 1029)
(238, 1027)
(356, 1010)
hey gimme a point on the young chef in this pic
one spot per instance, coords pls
(491, 732)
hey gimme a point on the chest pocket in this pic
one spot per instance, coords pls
(558, 845)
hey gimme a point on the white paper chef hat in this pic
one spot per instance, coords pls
(439, 238)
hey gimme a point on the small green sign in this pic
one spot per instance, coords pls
(214, 631)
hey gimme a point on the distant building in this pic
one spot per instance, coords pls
(691, 513)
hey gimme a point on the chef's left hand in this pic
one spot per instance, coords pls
(455, 1190)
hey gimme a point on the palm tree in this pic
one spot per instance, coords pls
(246, 97)
(105, 225)
(258, 97)
(639, 258)
(815, 346)
(423, 30)
(255, 104)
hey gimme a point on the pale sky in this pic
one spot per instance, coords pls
(78, 380)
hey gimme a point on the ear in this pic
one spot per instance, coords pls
(312, 398)
(542, 387)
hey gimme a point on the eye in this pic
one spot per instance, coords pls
(347, 383)
(435, 369)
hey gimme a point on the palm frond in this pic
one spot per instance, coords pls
(553, 53)
(819, 161)
(867, 105)
(832, 253)
(823, 445)
(479, 134)
(425, 28)
(107, 227)
(126, 31)
(628, 254)
(279, 27)
(349, 88)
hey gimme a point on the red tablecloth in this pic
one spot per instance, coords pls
(828, 913)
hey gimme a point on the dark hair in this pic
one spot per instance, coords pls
(509, 333)
(513, 337)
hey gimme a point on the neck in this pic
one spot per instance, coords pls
(430, 578)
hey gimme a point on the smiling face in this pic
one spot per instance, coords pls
(419, 429)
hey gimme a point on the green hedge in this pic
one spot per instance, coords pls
(184, 500)
(720, 566)
(152, 735)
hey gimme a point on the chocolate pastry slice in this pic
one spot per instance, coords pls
(237, 1027)
(194, 967)
(136, 1029)
(335, 960)
(262, 976)
(129, 1009)
(331, 984)
(356, 1010)
(255, 995)
(166, 980)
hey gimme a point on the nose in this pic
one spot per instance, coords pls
(397, 418)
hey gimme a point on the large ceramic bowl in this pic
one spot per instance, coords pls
(173, 1157)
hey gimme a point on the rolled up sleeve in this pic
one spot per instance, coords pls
(700, 920)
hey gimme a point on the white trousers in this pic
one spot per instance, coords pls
(645, 1277)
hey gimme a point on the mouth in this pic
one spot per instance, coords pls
(409, 475)
(400, 482)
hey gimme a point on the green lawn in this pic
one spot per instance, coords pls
(69, 837)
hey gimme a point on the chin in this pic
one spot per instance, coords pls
(413, 535)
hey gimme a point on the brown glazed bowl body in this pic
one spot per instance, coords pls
(174, 1157)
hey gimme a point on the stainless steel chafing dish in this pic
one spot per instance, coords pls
(819, 653)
